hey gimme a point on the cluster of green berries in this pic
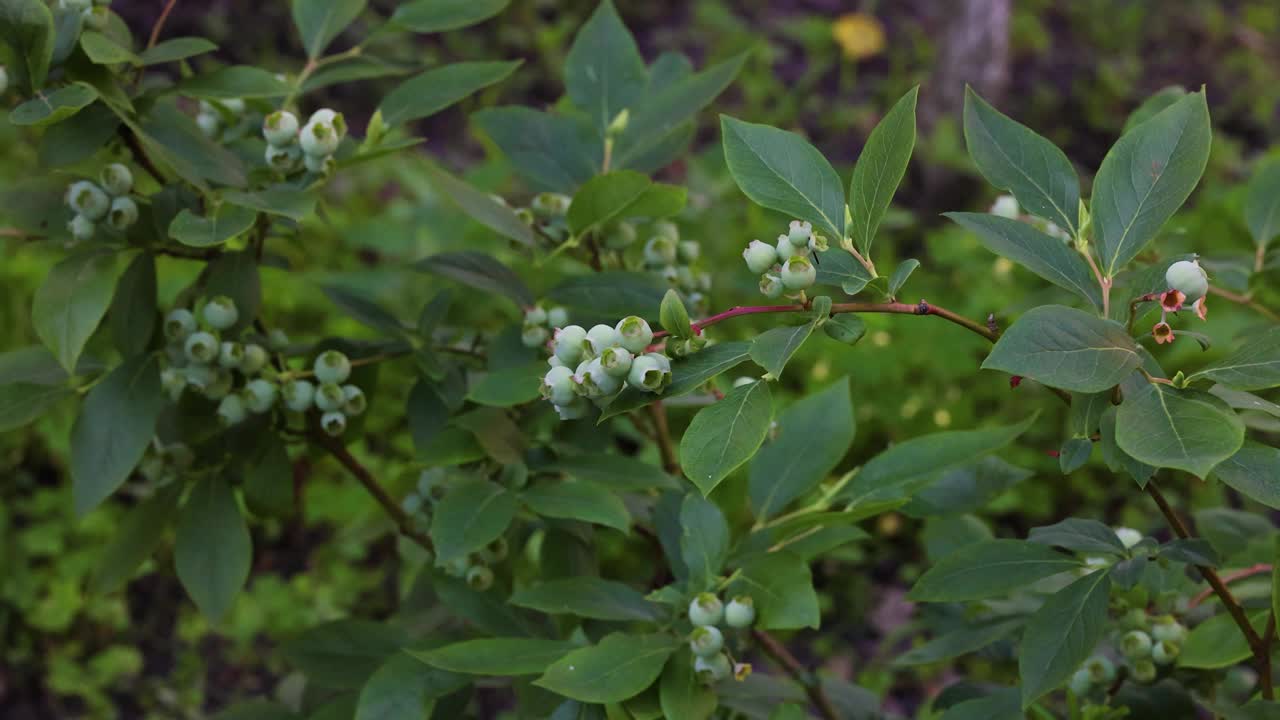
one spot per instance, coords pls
(94, 12)
(787, 265)
(676, 260)
(706, 613)
(546, 213)
(291, 145)
(108, 200)
(539, 322)
(164, 464)
(214, 114)
(1146, 645)
(597, 364)
(475, 568)
(1188, 283)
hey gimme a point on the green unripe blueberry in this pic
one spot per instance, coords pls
(706, 609)
(785, 249)
(323, 165)
(771, 286)
(706, 640)
(1187, 277)
(200, 376)
(331, 366)
(81, 228)
(319, 139)
(173, 381)
(116, 179)
(667, 229)
(260, 395)
(660, 250)
(330, 397)
(533, 336)
(600, 337)
(1144, 671)
(282, 158)
(334, 423)
(123, 214)
(202, 347)
(1101, 670)
(557, 317)
(549, 204)
(356, 403)
(88, 200)
(299, 395)
(254, 360)
(178, 324)
(799, 233)
(568, 344)
(535, 316)
(209, 123)
(479, 578)
(634, 334)
(621, 235)
(741, 611)
(594, 381)
(221, 385)
(1080, 682)
(1128, 537)
(277, 340)
(572, 410)
(688, 251)
(759, 256)
(231, 410)
(798, 273)
(280, 128)
(230, 355)
(713, 669)
(1167, 629)
(97, 18)
(1006, 206)
(616, 361)
(1136, 619)
(220, 312)
(411, 503)
(671, 274)
(1165, 652)
(648, 374)
(557, 385)
(1135, 645)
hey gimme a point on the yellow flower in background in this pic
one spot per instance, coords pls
(859, 35)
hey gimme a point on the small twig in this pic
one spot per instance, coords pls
(662, 433)
(1133, 307)
(812, 684)
(397, 514)
(155, 29)
(1103, 282)
(1251, 571)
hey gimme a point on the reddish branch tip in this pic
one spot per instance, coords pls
(1015, 381)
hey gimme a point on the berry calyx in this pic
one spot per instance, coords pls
(178, 324)
(88, 200)
(650, 372)
(771, 286)
(713, 669)
(1101, 670)
(659, 251)
(280, 128)
(260, 395)
(334, 423)
(201, 347)
(1135, 645)
(616, 361)
(355, 402)
(1165, 652)
(230, 355)
(123, 213)
(706, 609)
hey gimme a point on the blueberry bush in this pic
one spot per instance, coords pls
(601, 499)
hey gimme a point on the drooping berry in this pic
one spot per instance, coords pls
(706, 609)
(741, 611)
(600, 337)
(116, 179)
(299, 395)
(202, 347)
(1144, 671)
(660, 250)
(649, 373)
(282, 159)
(1165, 652)
(230, 355)
(260, 395)
(1101, 670)
(280, 128)
(634, 333)
(592, 381)
(557, 385)
(688, 251)
(334, 423)
(535, 316)
(88, 200)
(706, 640)
(220, 312)
(318, 139)
(355, 403)
(771, 286)
(332, 366)
(550, 205)
(799, 233)
(616, 361)
(123, 213)
(1187, 277)
(798, 273)
(330, 397)
(759, 256)
(1135, 645)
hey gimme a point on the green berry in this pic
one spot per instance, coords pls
(221, 385)
(280, 128)
(323, 165)
(1128, 537)
(202, 347)
(277, 340)
(549, 205)
(1144, 671)
(220, 312)
(332, 366)
(798, 273)
(81, 228)
(771, 286)
(759, 256)
(572, 410)
(411, 503)
(1080, 682)
(557, 317)
(299, 395)
(1136, 619)
(660, 250)
(741, 611)
(1135, 645)
(713, 669)
(173, 381)
(116, 179)
(785, 249)
(356, 403)
(557, 385)
(230, 355)
(231, 410)
(260, 395)
(634, 334)
(200, 376)
(1187, 277)
(706, 609)
(568, 344)
(1167, 629)
(621, 235)
(479, 578)
(533, 336)
(1005, 206)
(254, 360)
(706, 640)
(1165, 652)
(282, 158)
(334, 423)
(600, 337)
(688, 251)
(799, 233)
(319, 139)
(178, 324)
(124, 213)
(650, 372)
(667, 229)
(209, 123)
(616, 361)
(594, 381)
(88, 200)
(330, 397)
(1101, 670)
(535, 316)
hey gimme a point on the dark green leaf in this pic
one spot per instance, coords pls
(611, 294)
(613, 471)
(482, 207)
(78, 137)
(1062, 634)
(603, 72)
(773, 348)
(227, 222)
(900, 275)
(71, 302)
(725, 435)
(176, 49)
(966, 488)
(235, 274)
(680, 692)
(989, 569)
(1262, 206)
(839, 268)
(137, 537)
(235, 82)
(400, 689)
(320, 21)
(57, 105)
(102, 50)
(213, 551)
(587, 597)
(1252, 470)
(133, 309)
(1074, 454)
(704, 539)
(508, 387)
(172, 138)
(1080, 535)
(552, 152)
(961, 641)
(26, 26)
(813, 436)
(436, 89)
(496, 656)
(848, 328)
(880, 168)
(428, 16)
(578, 501)
(342, 654)
(1184, 429)
(116, 423)
(620, 667)
(268, 481)
(622, 194)
(781, 588)
(1116, 458)
(367, 312)
(999, 705)
(1150, 107)
(478, 270)
(473, 513)
(22, 402)
(1255, 366)
(1066, 348)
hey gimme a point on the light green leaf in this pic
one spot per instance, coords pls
(436, 89)
(552, 152)
(496, 656)
(102, 50)
(603, 72)
(176, 49)
(1066, 348)
(773, 348)
(813, 436)
(1183, 429)
(680, 692)
(232, 82)
(228, 221)
(588, 597)
(1262, 206)
(1145, 178)
(55, 106)
(622, 194)
(482, 207)
(26, 26)
(704, 538)
(673, 315)
(620, 667)
(1217, 642)
(988, 569)
(687, 374)
(900, 275)
(508, 387)
(320, 21)
(578, 501)
(725, 435)
(1253, 471)
(1255, 366)
(1062, 634)
(1161, 99)
(781, 588)
(782, 171)
(1015, 158)
(841, 269)
(880, 168)
(473, 513)
(213, 551)
(429, 16)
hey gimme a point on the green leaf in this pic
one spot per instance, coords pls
(961, 641)
(22, 402)
(133, 308)
(268, 480)
(610, 294)
(1255, 366)
(78, 137)
(588, 597)
(840, 269)
(613, 471)
(880, 168)
(1183, 429)
(680, 692)
(1062, 634)
(365, 311)
(1048, 257)
(847, 329)
(342, 654)
(138, 536)
(26, 26)
(704, 539)
(473, 513)
(999, 705)
(102, 50)
(508, 387)
(227, 222)
(173, 139)
(781, 588)
(966, 488)
(280, 200)
(725, 435)
(176, 49)
(578, 501)
(603, 72)
(430, 92)
(1066, 348)
(1217, 642)
(1080, 535)
(900, 275)
(478, 270)
(813, 436)
(687, 374)
(783, 172)
(551, 151)
(482, 207)
(496, 656)
(895, 473)
(320, 21)
(57, 105)
(116, 423)
(1262, 206)
(1252, 471)
(1116, 458)
(429, 16)
(773, 348)
(988, 569)
(621, 666)
(235, 274)
(1015, 158)
(400, 689)
(1150, 107)
(235, 81)
(213, 551)
(622, 194)
(673, 315)
(1145, 178)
